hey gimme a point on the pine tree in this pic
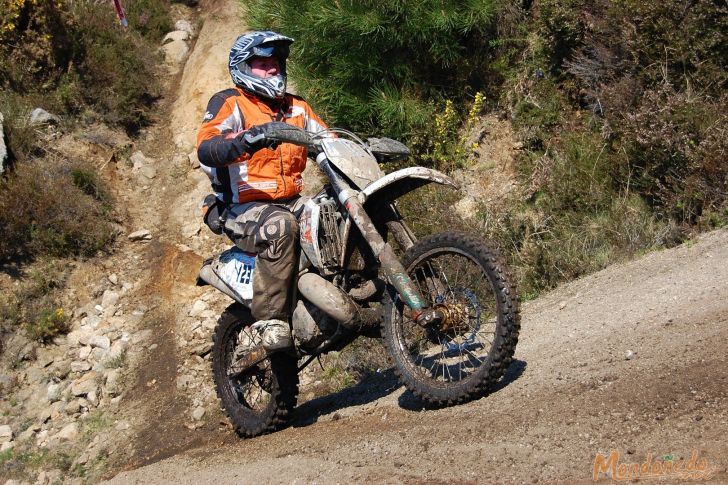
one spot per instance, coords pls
(379, 66)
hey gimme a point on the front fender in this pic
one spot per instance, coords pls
(381, 193)
(396, 184)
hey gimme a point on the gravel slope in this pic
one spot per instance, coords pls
(629, 359)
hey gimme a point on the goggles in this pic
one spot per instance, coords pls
(280, 50)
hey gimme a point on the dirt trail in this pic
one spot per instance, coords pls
(159, 409)
(630, 359)
(571, 393)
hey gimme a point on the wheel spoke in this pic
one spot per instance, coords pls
(451, 354)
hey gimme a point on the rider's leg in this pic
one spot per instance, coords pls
(272, 232)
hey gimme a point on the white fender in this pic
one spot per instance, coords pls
(426, 175)
(411, 172)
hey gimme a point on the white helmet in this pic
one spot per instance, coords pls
(259, 44)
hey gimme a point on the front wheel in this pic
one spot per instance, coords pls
(259, 399)
(462, 357)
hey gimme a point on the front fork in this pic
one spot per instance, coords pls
(392, 267)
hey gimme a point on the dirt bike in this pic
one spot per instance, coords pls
(447, 309)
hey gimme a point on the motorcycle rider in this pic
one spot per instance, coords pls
(257, 182)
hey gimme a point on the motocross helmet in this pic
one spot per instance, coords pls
(259, 44)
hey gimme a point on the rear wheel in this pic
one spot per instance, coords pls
(259, 399)
(462, 357)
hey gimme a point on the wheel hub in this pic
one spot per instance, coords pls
(455, 317)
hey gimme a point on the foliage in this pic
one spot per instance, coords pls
(450, 146)
(381, 67)
(151, 18)
(50, 323)
(67, 55)
(34, 223)
(22, 137)
(34, 303)
(619, 109)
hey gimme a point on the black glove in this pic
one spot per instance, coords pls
(259, 136)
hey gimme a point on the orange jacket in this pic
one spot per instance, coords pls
(238, 176)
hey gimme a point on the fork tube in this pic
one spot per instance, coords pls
(391, 265)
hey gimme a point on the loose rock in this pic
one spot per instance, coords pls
(6, 433)
(140, 235)
(113, 383)
(139, 160)
(198, 413)
(148, 171)
(85, 384)
(175, 52)
(68, 433)
(197, 308)
(176, 35)
(54, 392)
(110, 298)
(40, 116)
(100, 341)
(186, 26)
(80, 366)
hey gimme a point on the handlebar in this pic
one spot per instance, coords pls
(294, 135)
(384, 149)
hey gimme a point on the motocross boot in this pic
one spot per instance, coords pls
(275, 334)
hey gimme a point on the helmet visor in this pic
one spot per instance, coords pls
(278, 49)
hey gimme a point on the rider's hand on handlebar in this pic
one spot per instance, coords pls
(257, 137)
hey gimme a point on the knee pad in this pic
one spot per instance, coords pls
(277, 223)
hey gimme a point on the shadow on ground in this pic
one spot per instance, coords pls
(369, 389)
(411, 402)
(376, 386)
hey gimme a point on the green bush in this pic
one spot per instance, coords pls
(381, 67)
(66, 56)
(677, 147)
(49, 324)
(22, 138)
(34, 303)
(115, 68)
(619, 106)
(44, 212)
(151, 18)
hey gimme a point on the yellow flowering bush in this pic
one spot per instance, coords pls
(9, 14)
(48, 325)
(451, 136)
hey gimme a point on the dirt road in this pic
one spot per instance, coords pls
(631, 359)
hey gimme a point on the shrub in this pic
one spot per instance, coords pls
(22, 138)
(33, 221)
(34, 303)
(377, 67)
(71, 55)
(115, 68)
(49, 324)
(678, 147)
(151, 18)
(619, 107)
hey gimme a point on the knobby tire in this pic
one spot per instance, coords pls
(278, 373)
(502, 312)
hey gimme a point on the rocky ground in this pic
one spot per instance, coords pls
(630, 359)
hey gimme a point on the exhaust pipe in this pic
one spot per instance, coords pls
(208, 275)
(330, 299)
